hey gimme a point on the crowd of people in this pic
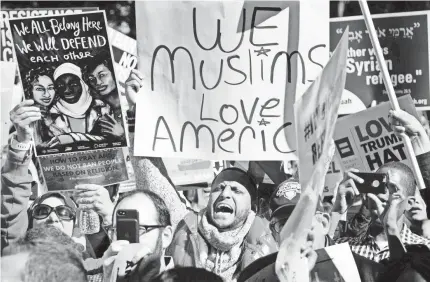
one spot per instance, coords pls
(233, 235)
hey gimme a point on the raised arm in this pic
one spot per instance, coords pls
(16, 179)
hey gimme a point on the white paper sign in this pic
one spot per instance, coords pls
(316, 113)
(215, 84)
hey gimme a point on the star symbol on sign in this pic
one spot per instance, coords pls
(262, 51)
(263, 122)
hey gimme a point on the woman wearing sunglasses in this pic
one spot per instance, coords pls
(53, 209)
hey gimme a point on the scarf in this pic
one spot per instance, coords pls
(79, 109)
(225, 248)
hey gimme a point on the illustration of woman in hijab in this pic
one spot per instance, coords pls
(78, 116)
(39, 86)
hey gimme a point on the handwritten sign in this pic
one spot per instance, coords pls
(6, 14)
(65, 64)
(404, 38)
(316, 113)
(365, 140)
(102, 167)
(215, 87)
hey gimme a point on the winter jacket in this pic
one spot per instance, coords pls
(187, 244)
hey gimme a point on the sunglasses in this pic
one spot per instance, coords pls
(42, 211)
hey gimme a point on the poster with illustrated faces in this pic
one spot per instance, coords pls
(66, 67)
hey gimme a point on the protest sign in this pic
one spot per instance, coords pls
(335, 263)
(333, 177)
(102, 167)
(188, 171)
(365, 140)
(66, 66)
(124, 50)
(7, 14)
(405, 44)
(7, 82)
(215, 87)
(315, 115)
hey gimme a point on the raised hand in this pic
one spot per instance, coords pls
(23, 116)
(403, 122)
(132, 85)
(96, 197)
(346, 191)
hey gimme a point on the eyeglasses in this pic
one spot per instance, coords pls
(42, 211)
(276, 226)
(143, 229)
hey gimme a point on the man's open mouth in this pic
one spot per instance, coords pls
(224, 208)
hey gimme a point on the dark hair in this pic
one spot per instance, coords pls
(416, 259)
(33, 75)
(51, 234)
(252, 188)
(187, 274)
(407, 176)
(50, 261)
(100, 57)
(160, 205)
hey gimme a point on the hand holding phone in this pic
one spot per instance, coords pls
(127, 225)
(373, 183)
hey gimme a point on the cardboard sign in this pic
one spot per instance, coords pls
(7, 14)
(7, 82)
(316, 113)
(365, 140)
(65, 65)
(185, 172)
(404, 38)
(102, 167)
(124, 51)
(215, 88)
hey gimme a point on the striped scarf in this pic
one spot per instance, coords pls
(225, 248)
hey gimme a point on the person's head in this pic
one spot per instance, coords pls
(400, 178)
(416, 209)
(68, 81)
(188, 274)
(53, 209)
(233, 195)
(99, 74)
(321, 225)
(51, 234)
(264, 194)
(39, 86)
(414, 266)
(155, 227)
(282, 203)
(42, 261)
